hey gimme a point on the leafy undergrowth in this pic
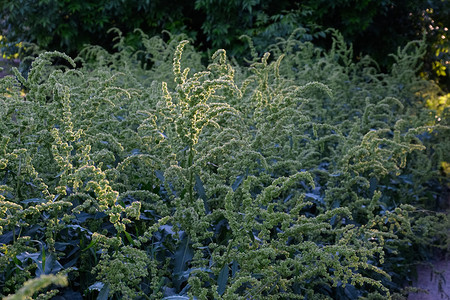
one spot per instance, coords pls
(303, 175)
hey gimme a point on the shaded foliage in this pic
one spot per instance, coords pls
(376, 28)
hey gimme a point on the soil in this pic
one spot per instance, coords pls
(434, 280)
(7, 64)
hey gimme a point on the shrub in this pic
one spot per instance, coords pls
(301, 176)
(69, 25)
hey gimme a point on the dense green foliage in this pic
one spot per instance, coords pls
(69, 25)
(375, 27)
(437, 61)
(303, 175)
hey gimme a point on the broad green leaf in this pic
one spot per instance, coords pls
(96, 286)
(104, 293)
(183, 254)
(238, 182)
(33, 200)
(128, 236)
(222, 280)
(234, 268)
(199, 188)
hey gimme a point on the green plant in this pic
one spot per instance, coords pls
(69, 25)
(33, 285)
(303, 175)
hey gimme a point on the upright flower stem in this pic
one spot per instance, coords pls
(191, 175)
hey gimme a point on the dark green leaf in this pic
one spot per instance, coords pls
(222, 280)
(237, 182)
(183, 254)
(199, 188)
(234, 268)
(33, 200)
(104, 293)
(128, 236)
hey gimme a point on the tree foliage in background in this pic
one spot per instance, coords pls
(436, 20)
(373, 27)
(69, 25)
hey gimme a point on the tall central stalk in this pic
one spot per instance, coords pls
(191, 175)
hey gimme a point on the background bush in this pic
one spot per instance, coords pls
(373, 27)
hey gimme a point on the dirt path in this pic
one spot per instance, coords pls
(435, 279)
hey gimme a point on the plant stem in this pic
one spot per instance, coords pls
(191, 175)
